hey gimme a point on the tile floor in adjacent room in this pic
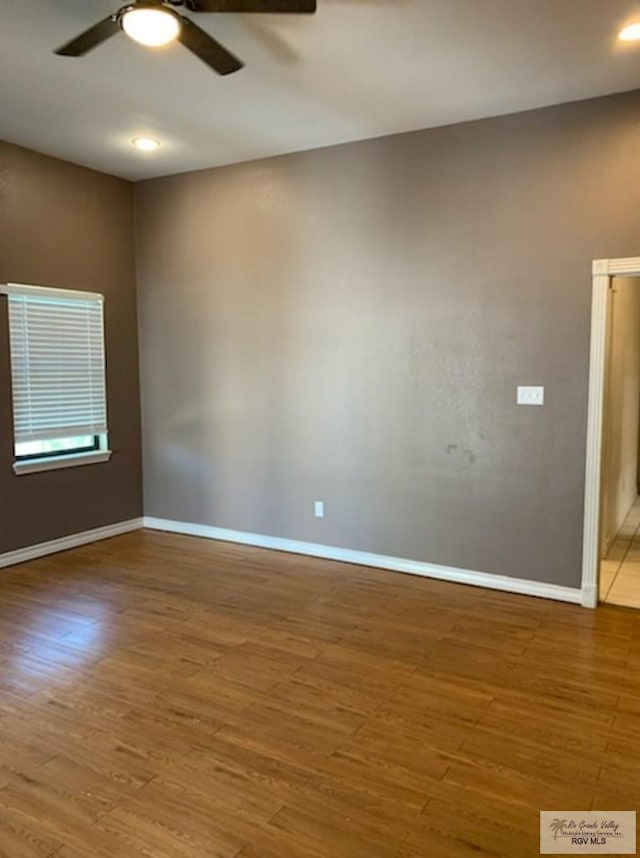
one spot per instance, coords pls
(620, 570)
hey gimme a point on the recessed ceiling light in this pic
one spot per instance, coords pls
(631, 33)
(145, 144)
(151, 27)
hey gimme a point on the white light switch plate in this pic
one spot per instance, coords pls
(530, 395)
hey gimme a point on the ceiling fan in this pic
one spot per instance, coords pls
(155, 23)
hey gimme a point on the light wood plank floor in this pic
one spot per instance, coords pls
(170, 697)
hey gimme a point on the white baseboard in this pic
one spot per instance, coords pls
(31, 552)
(379, 561)
(292, 546)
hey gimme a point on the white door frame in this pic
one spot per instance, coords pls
(603, 270)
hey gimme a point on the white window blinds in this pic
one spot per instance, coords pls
(57, 362)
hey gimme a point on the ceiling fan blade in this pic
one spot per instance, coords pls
(206, 48)
(90, 39)
(267, 7)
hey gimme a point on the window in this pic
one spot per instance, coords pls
(58, 377)
(56, 447)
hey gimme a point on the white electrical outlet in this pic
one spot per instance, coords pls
(530, 396)
(318, 509)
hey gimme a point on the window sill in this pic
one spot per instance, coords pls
(55, 463)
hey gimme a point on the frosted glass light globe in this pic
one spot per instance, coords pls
(151, 27)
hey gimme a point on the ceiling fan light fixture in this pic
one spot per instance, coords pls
(155, 23)
(631, 33)
(151, 27)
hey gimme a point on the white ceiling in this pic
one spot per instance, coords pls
(357, 69)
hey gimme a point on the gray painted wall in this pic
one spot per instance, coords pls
(66, 226)
(350, 325)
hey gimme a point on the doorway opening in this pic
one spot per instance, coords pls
(619, 581)
(611, 542)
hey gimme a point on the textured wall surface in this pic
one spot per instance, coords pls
(351, 324)
(65, 226)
